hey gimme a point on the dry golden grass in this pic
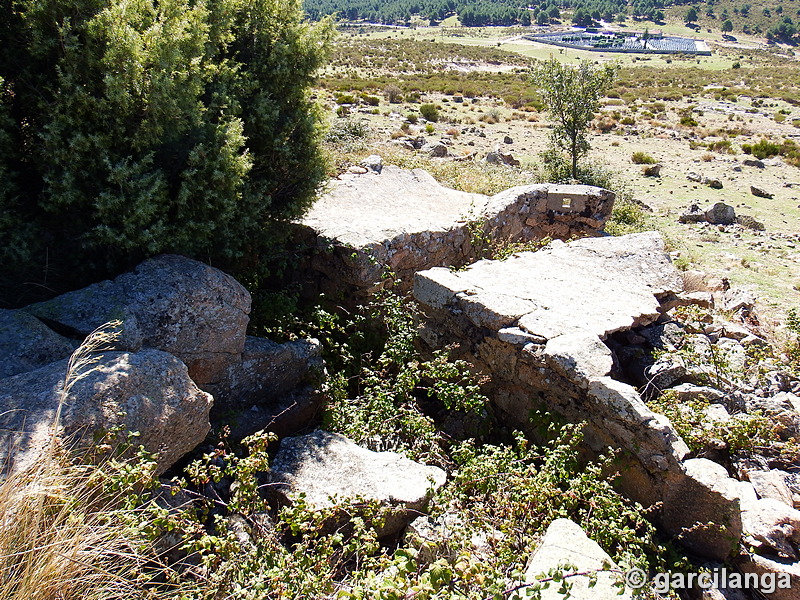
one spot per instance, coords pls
(63, 536)
(59, 541)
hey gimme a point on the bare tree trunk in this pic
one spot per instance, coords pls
(574, 159)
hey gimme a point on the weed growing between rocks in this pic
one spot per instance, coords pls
(723, 407)
(503, 491)
(692, 419)
(792, 346)
(627, 217)
(382, 393)
(499, 501)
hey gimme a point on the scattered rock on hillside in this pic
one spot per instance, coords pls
(774, 568)
(760, 192)
(435, 150)
(699, 281)
(566, 543)
(148, 392)
(508, 140)
(501, 158)
(26, 343)
(702, 179)
(750, 222)
(782, 409)
(403, 143)
(753, 162)
(737, 298)
(773, 524)
(688, 392)
(771, 484)
(322, 465)
(373, 162)
(663, 373)
(693, 214)
(171, 303)
(652, 170)
(721, 214)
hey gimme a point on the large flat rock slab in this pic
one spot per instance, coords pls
(325, 465)
(366, 209)
(400, 222)
(593, 286)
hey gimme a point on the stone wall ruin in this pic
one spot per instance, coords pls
(399, 222)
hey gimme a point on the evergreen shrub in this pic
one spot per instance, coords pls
(130, 129)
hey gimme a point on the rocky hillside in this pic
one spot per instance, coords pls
(480, 383)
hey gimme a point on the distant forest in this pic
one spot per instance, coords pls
(485, 12)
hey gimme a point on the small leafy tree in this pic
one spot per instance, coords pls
(691, 15)
(572, 96)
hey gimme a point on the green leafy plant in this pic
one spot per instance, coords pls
(642, 158)
(745, 433)
(429, 112)
(379, 403)
(793, 343)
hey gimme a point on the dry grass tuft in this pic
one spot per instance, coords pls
(59, 540)
(63, 535)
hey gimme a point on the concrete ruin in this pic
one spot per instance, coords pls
(537, 324)
(390, 224)
(545, 328)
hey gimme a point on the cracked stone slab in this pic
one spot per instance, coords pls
(594, 286)
(535, 324)
(389, 204)
(324, 465)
